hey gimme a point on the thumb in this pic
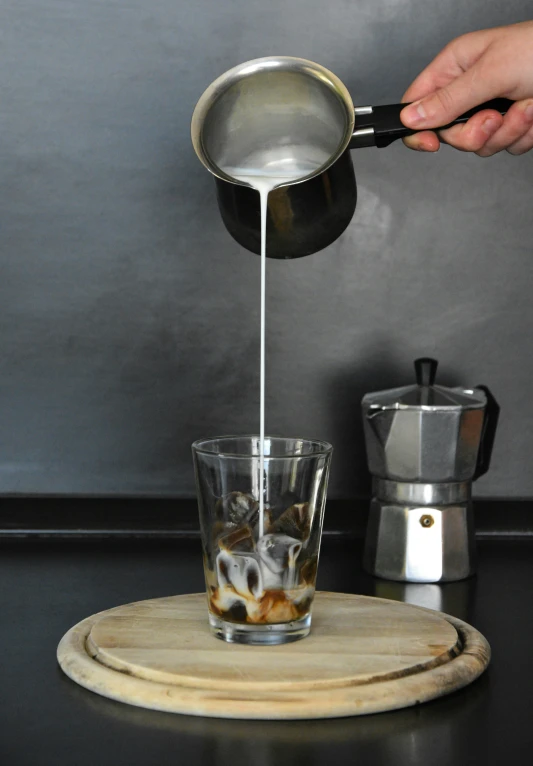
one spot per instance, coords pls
(444, 105)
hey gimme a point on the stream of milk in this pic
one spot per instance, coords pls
(264, 173)
(264, 184)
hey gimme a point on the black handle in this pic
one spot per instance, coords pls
(426, 370)
(488, 434)
(388, 127)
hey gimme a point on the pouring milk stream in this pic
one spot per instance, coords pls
(265, 170)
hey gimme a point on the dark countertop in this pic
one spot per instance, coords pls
(47, 720)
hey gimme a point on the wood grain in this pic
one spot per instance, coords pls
(364, 655)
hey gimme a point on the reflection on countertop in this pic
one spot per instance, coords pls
(405, 736)
(455, 598)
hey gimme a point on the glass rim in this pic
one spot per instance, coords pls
(324, 448)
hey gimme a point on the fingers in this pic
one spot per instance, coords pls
(486, 133)
(442, 70)
(470, 70)
(458, 56)
(425, 141)
(470, 89)
(469, 137)
(523, 145)
(473, 135)
(516, 125)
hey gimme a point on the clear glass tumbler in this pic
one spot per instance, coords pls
(260, 572)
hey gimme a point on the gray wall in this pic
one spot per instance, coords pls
(129, 318)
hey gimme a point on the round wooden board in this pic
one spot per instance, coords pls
(364, 655)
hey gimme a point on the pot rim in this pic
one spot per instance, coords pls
(249, 68)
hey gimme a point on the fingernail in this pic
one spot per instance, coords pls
(415, 113)
(489, 126)
(528, 111)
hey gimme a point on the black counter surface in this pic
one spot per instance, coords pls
(47, 720)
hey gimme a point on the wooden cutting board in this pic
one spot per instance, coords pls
(364, 655)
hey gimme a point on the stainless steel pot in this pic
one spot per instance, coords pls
(281, 109)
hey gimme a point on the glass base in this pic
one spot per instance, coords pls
(260, 635)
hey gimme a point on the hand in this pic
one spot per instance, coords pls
(472, 69)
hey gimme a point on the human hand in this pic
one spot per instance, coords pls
(472, 69)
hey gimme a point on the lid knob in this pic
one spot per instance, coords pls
(426, 370)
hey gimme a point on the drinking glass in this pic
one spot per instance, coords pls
(260, 568)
